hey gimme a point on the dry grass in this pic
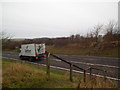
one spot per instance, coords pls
(0, 72)
(21, 75)
(72, 50)
(97, 82)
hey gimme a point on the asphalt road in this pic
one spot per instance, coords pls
(104, 63)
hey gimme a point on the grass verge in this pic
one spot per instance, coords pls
(22, 75)
(109, 52)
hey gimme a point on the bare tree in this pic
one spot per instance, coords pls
(111, 31)
(96, 31)
(5, 38)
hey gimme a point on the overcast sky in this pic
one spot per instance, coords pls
(55, 19)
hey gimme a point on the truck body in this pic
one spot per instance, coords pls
(32, 51)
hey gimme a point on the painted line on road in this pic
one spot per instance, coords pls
(96, 56)
(56, 60)
(62, 68)
(90, 64)
(90, 59)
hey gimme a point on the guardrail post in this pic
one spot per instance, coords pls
(48, 65)
(71, 79)
(84, 75)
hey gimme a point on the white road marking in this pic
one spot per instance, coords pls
(90, 64)
(62, 68)
(90, 59)
(56, 60)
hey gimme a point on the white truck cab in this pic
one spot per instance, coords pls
(32, 51)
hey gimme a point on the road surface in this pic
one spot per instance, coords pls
(104, 63)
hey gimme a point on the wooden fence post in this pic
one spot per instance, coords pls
(90, 72)
(71, 79)
(48, 65)
(105, 75)
(84, 75)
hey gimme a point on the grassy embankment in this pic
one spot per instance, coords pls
(76, 50)
(110, 52)
(0, 72)
(22, 75)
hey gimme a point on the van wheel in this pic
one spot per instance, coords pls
(30, 59)
(21, 58)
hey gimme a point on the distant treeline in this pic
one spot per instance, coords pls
(110, 39)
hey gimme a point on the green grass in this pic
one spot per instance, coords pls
(109, 52)
(13, 50)
(22, 75)
(106, 52)
(67, 50)
(0, 72)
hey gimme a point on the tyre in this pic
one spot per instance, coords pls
(30, 59)
(21, 58)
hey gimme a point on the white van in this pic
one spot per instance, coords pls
(32, 51)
